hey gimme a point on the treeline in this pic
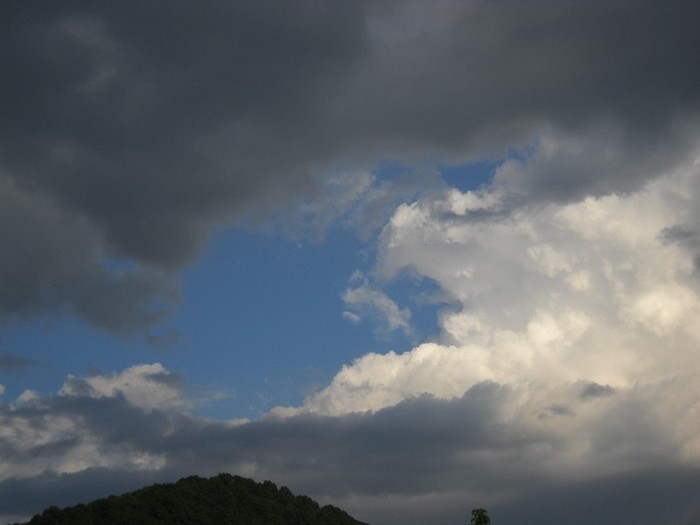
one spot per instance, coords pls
(224, 499)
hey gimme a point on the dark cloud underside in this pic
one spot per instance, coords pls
(417, 454)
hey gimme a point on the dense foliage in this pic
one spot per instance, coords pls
(224, 499)
(480, 517)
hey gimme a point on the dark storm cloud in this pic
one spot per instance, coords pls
(129, 130)
(654, 496)
(422, 444)
(52, 260)
(20, 496)
(454, 453)
(498, 69)
(651, 496)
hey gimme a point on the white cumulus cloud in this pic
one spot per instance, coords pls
(147, 386)
(368, 299)
(585, 310)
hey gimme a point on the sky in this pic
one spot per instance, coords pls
(409, 258)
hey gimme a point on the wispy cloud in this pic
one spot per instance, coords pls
(361, 297)
(12, 363)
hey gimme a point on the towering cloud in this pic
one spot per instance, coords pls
(568, 335)
(600, 294)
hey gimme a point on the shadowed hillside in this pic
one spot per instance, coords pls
(224, 499)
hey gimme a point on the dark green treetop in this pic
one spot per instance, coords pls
(480, 517)
(221, 500)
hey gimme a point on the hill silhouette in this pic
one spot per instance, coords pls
(223, 499)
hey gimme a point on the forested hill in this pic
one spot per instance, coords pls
(224, 499)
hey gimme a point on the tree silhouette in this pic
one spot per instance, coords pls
(480, 517)
(222, 500)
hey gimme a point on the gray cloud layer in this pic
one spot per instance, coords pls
(128, 130)
(424, 460)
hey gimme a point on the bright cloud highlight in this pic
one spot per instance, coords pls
(586, 312)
